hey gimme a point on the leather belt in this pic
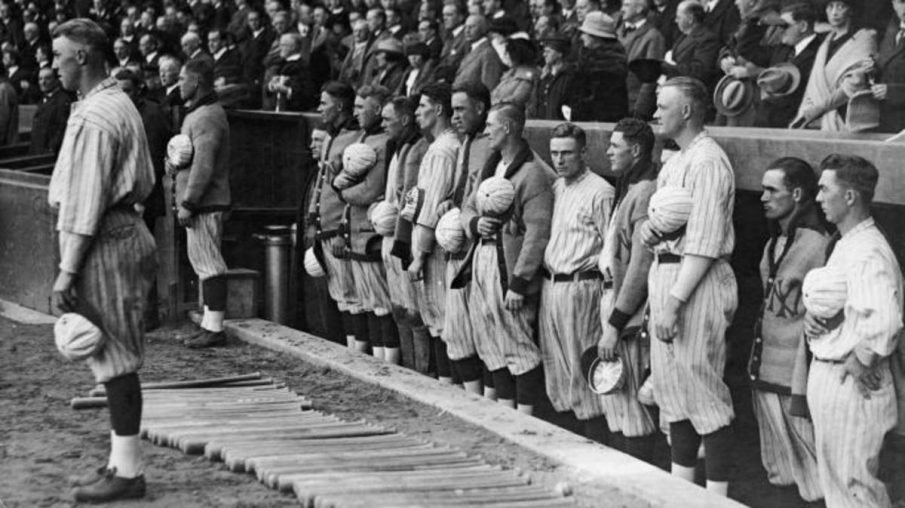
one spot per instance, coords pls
(667, 258)
(828, 361)
(577, 277)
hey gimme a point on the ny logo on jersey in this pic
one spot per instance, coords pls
(784, 299)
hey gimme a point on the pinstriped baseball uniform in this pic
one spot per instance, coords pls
(688, 372)
(95, 189)
(625, 261)
(568, 320)
(203, 244)
(459, 335)
(435, 184)
(848, 428)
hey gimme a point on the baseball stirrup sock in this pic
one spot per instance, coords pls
(215, 290)
(125, 401)
(375, 334)
(528, 385)
(389, 331)
(718, 460)
(443, 366)
(468, 369)
(685, 443)
(504, 382)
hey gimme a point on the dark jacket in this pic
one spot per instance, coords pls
(298, 79)
(695, 55)
(49, 123)
(599, 92)
(553, 92)
(454, 50)
(483, 65)
(390, 77)
(891, 71)
(665, 22)
(425, 76)
(780, 111)
(253, 50)
(723, 20)
(228, 67)
(157, 130)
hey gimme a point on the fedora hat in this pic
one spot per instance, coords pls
(647, 70)
(733, 96)
(389, 45)
(779, 81)
(602, 377)
(417, 48)
(863, 112)
(557, 43)
(599, 24)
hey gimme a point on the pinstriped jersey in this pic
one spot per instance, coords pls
(436, 180)
(581, 212)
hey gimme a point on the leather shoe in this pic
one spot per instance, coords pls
(206, 339)
(110, 488)
(88, 478)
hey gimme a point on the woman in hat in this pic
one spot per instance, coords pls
(518, 83)
(391, 65)
(600, 92)
(421, 69)
(555, 80)
(842, 53)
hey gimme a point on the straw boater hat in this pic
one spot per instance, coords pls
(733, 96)
(389, 45)
(76, 337)
(599, 24)
(824, 291)
(779, 81)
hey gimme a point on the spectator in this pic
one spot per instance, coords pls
(377, 19)
(421, 67)
(799, 47)
(254, 49)
(841, 54)
(221, 16)
(9, 111)
(582, 9)
(43, 57)
(124, 55)
(352, 67)
(721, 17)
(890, 71)
(291, 84)
(694, 53)
(20, 77)
(390, 65)
(10, 26)
(663, 16)
(227, 61)
(128, 34)
(641, 40)
(394, 23)
(239, 25)
(599, 92)
(428, 32)
(546, 26)
(49, 123)
(32, 38)
(191, 48)
(556, 79)
(519, 83)
(171, 101)
(482, 64)
(456, 44)
(569, 16)
(149, 47)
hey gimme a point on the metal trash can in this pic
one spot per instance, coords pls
(277, 243)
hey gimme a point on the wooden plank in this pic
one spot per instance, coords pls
(283, 480)
(220, 449)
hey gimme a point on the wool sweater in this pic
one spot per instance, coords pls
(204, 187)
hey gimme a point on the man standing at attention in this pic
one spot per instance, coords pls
(569, 319)
(107, 254)
(850, 389)
(693, 293)
(203, 196)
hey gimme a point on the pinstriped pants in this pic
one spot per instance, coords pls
(114, 283)
(457, 331)
(340, 282)
(503, 338)
(202, 239)
(786, 445)
(402, 289)
(432, 292)
(569, 324)
(371, 285)
(849, 432)
(688, 372)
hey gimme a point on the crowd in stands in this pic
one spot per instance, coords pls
(832, 65)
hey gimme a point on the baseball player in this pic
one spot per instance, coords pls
(625, 261)
(406, 148)
(362, 242)
(203, 194)
(326, 210)
(692, 290)
(568, 318)
(470, 104)
(798, 241)
(107, 254)
(435, 185)
(505, 262)
(850, 389)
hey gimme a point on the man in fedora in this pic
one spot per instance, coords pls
(555, 79)
(782, 85)
(641, 40)
(696, 48)
(599, 92)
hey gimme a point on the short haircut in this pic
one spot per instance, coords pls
(203, 69)
(341, 92)
(695, 10)
(126, 74)
(801, 11)
(404, 106)
(637, 132)
(439, 93)
(378, 11)
(695, 91)
(797, 174)
(83, 31)
(512, 113)
(377, 92)
(570, 130)
(856, 173)
(476, 91)
(169, 59)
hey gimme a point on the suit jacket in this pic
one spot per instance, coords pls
(202, 55)
(891, 69)
(29, 95)
(253, 50)
(695, 55)
(228, 67)
(780, 111)
(425, 76)
(646, 42)
(50, 123)
(298, 78)
(9, 114)
(391, 77)
(454, 50)
(435, 47)
(723, 20)
(665, 22)
(481, 65)
(158, 132)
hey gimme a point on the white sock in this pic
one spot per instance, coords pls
(685, 473)
(125, 455)
(206, 318)
(377, 352)
(350, 341)
(719, 488)
(215, 324)
(490, 393)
